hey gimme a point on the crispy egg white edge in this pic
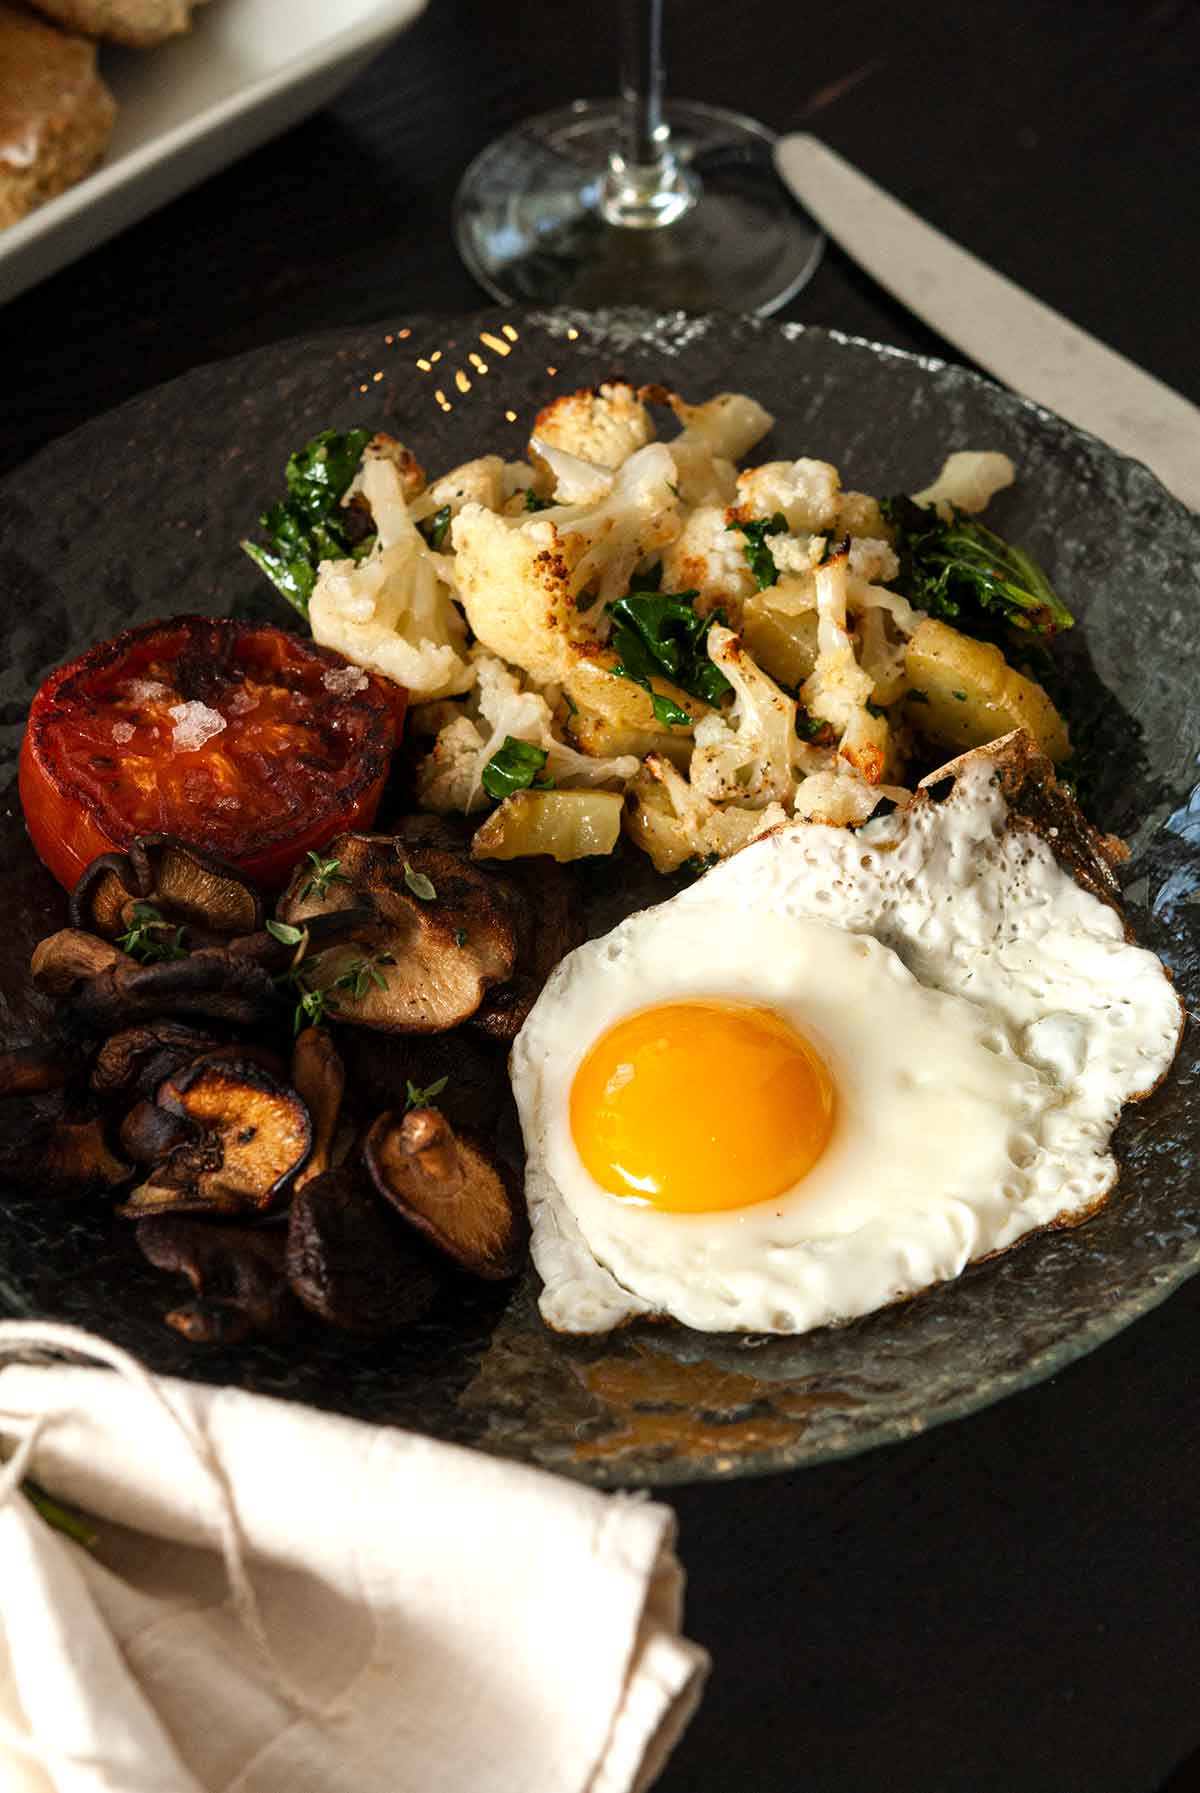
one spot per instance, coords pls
(1009, 929)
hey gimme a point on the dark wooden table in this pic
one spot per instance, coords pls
(1009, 1603)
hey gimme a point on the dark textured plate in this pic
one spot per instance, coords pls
(139, 515)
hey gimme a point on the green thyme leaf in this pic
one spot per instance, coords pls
(460, 937)
(324, 873)
(419, 884)
(534, 503)
(283, 930)
(422, 1098)
(150, 937)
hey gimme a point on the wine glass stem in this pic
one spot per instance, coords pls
(645, 186)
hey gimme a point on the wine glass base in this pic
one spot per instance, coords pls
(528, 223)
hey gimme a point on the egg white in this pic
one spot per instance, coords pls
(983, 1018)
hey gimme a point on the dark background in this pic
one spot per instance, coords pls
(1011, 1602)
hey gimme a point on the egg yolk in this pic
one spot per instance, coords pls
(699, 1106)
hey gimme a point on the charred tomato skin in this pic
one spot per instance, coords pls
(304, 761)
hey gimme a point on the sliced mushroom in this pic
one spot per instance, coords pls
(64, 1158)
(438, 939)
(190, 887)
(251, 1134)
(149, 1134)
(348, 1261)
(37, 1069)
(319, 1079)
(449, 1188)
(214, 983)
(64, 961)
(237, 1274)
(267, 949)
(543, 899)
(136, 1060)
(504, 1010)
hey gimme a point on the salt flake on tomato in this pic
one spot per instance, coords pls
(195, 724)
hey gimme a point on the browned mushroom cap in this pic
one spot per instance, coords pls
(134, 1061)
(449, 1187)
(189, 886)
(504, 1010)
(237, 1274)
(349, 1262)
(266, 948)
(64, 961)
(251, 1134)
(149, 1133)
(319, 1079)
(213, 983)
(543, 900)
(37, 1069)
(439, 937)
(64, 1158)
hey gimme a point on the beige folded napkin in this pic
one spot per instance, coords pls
(283, 1601)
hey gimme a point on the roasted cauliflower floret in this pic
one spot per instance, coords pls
(451, 774)
(709, 558)
(806, 492)
(729, 424)
(841, 797)
(714, 436)
(603, 424)
(838, 690)
(747, 752)
(489, 481)
(968, 481)
(575, 481)
(672, 822)
(535, 588)
(392, 611)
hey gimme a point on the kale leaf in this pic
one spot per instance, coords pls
(659, 635)
(436, 528)
(310, 525)
(960, 569)
(759, 557)
(514, 767)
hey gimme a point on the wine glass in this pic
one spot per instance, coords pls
(634, 201)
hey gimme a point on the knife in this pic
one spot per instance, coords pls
(1013, 335)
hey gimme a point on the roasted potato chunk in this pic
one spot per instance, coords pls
(965, 693)
(782, 642)
(561, 824)
(614, 716)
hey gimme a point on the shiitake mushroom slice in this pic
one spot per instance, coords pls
(319, 1079)
(237, 1273)
(350, 1263)
(134, 1061)
(438, 935)
(189, 887)
(250, 1134)
(64, 1158)
(448, 1186)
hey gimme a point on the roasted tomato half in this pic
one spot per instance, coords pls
(237, 737)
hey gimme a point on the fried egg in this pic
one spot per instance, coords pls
(835, 1071)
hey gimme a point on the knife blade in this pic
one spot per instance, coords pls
(1017, 338)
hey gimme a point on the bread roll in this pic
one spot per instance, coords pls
(56, 114)
(137, 22)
